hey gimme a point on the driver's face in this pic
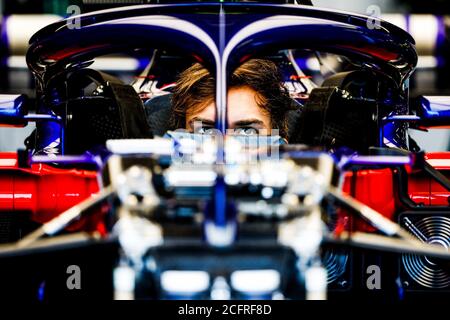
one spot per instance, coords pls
(244, 114)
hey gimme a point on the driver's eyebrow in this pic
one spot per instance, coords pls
(204, 121)
(247, 122)
(240, 123)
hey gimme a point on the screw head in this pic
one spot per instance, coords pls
(343, 283)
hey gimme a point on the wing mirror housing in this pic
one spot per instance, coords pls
(433, 111)
(13, 110)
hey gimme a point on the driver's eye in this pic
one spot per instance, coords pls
(246, 131)
(205, 130)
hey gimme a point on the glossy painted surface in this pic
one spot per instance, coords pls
(423, 189)
(434, 111)
(12, 110)
(219, 35)
(46, 191)
(222, 36)
(377, 189)
(43, 190)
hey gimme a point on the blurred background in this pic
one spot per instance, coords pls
(427, 21)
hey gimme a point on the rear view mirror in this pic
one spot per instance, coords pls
(13, 110)
(433, 111)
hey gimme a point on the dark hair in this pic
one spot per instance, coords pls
(195, 89)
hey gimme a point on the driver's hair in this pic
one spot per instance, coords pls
(195, 90)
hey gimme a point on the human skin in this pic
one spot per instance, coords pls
(244, 115)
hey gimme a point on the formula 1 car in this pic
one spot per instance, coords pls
(349, 208)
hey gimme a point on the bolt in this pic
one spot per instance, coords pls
(342, 283)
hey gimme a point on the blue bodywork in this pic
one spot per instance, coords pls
(221, 36)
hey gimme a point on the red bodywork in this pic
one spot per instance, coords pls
(46, 191)
(43, 190)
(378, 190)
(424, 189)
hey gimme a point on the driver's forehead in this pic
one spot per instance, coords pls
(241, 105)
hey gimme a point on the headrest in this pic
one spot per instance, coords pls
(97, 107)
(342, 113)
